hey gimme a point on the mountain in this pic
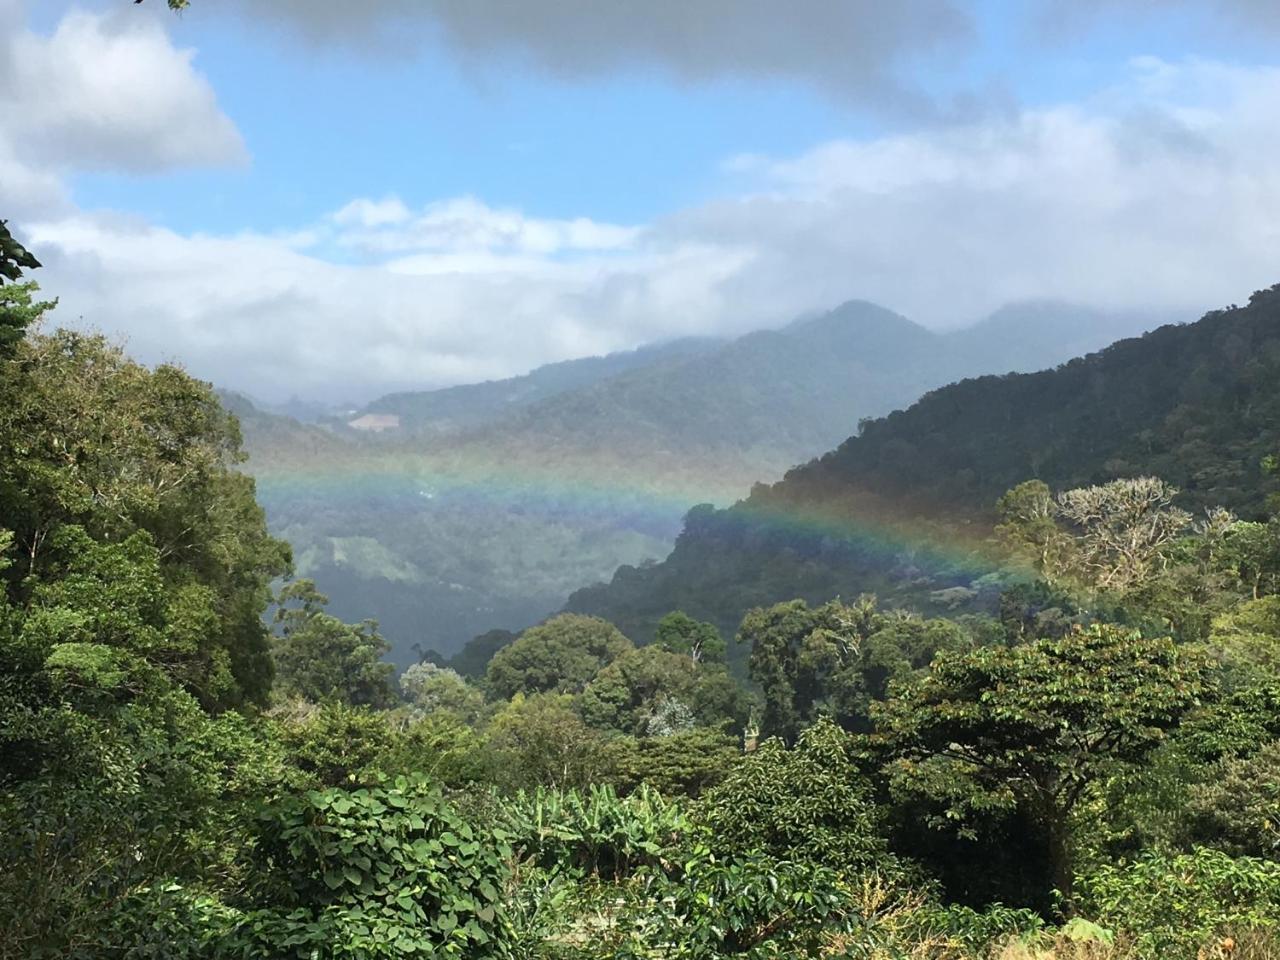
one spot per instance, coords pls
(903, 508)
(456, 409)
(484, 507)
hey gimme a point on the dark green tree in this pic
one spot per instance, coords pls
(835, 659)
(697, 639)
(1035, 727)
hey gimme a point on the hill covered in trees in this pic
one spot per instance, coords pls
(491, 503)
(904, 508)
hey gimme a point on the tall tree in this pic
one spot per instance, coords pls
(1034, 727)
(321, 659)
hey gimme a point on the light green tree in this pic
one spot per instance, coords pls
(561, 655)
(319, 658)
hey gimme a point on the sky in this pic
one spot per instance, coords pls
(332, 200)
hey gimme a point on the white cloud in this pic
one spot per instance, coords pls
(1161, 193)
(100, 93)
(467, 225)
(257, 313)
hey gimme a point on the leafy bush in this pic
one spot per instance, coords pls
(809, 803)
(371, 873)
(595, 832)
(1237, 810)
(1169, 906)
(972, 929)
(685, 763)
(751, 906)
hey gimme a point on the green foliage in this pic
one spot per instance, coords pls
(808, 804)
(333, 744)
(1168, 906)
(700, 641)
(1237, 808)
(683, 763)
(542, 741)
(91, 440)
(834, 659)
(19, 310)
(14, 257)
(429, 688)
(319, 658)
(391, 871)
(152, 789)
(593, 832)
(561, 656)
(1248, 637)
(1035, 727)
(975, 929)
(637, 692)
(752, 906)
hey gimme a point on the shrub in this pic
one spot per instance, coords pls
(751, 906)
(808, 803)
(1169, 906)
(372, 873)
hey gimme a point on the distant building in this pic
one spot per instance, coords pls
(375, 422)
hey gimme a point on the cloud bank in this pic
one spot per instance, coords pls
(1160, 193)
(853, 49)
(101, 93)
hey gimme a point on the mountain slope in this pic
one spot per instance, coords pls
(444, 533)
(467, 407)
(900, 508)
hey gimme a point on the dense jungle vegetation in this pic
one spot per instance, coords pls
(198, 760)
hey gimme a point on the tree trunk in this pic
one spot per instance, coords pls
(1062, 863)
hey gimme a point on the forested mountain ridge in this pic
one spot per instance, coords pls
(473, 405)
(900, 508)
(444, 533)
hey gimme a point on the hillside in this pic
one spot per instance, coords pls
(469, 406)
(902, 509)
(443, 533)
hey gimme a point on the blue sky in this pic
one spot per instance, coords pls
(324, 125)
(560, 180)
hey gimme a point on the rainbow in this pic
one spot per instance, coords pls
(648, 498)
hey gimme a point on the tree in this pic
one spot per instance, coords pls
(14, 257)
(561, 655)
(429, 688)
(1248, 638)
(540, 740)
(319, 658)
(809, 803)
(1034, 727)
(1106, 537)
(637, 690)
(700, 641)
(90, 439)
(834, 659)
(19, 312)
